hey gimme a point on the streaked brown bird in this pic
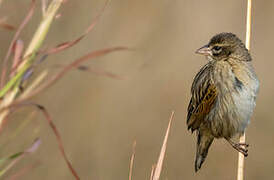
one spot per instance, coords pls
(223, 94)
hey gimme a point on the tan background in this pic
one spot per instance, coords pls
(99, 118)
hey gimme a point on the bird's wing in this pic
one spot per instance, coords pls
(204, 94)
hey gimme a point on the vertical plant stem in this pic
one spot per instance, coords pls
(240, 175)
(241, 159)
(248, 25)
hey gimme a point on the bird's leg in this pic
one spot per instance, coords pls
(241, 147)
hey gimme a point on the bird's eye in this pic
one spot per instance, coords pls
(217, 48)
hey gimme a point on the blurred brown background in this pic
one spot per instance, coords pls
(99, 117)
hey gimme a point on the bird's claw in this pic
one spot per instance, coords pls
(242, 148)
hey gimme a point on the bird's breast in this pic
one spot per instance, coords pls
(237, 90)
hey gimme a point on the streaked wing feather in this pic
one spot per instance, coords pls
(204, 95)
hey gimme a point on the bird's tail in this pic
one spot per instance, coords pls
(204, 140)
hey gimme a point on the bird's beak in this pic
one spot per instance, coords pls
(205, 50)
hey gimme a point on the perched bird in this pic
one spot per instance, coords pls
(223, 94)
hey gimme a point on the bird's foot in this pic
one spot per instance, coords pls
(240, 147)
(245, 145)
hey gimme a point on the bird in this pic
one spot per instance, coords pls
(223, 94)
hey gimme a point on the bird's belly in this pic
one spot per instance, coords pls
(232, 113)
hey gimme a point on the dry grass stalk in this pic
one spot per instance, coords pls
(152, 171)
(240, 174)
(132, 161)
(158, 168)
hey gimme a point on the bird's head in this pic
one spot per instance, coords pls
(223, 46)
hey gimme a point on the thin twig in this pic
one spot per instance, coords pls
(240, 175)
